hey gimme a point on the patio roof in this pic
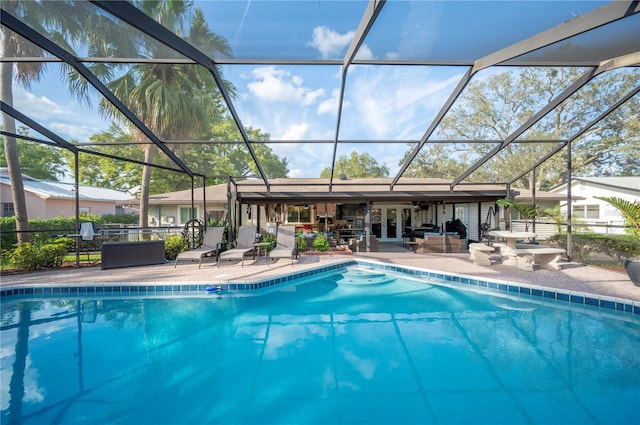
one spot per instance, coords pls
(374, 77)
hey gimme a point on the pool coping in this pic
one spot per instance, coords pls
(534, 292)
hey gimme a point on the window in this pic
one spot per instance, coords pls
(7, 210)
(462, 213)
(589, 212)
(185, 214)
(299, 214)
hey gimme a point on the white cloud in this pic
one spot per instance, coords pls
(330, 105)
(68, 119)
(296, 132)
(364, 53)
(329, 42)
(393, 102)
(37, 108)
(75, 131)
(279, 85)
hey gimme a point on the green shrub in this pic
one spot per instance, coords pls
(52, 254)
(24, 257)
(8, 237)
(321, 243)
(268, 237)
(302, 243)
(29, 256)
(120, 218)
(174, 245)
(616, 246)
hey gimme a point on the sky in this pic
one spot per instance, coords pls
(299, 102)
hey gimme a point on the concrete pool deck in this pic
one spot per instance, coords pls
(574, 277)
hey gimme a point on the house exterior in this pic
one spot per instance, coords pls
(596, 215)
(349, 208)
(46, 200)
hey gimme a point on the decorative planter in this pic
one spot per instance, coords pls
(632, 265)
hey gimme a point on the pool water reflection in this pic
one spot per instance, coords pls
(349, 346)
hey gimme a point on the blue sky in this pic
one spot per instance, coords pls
(295, 102)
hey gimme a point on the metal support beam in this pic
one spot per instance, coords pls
(606, 14)
(76, 185)
(569, 206)
(368, 18)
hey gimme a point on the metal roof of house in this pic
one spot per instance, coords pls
(62, 190)
(625, 183)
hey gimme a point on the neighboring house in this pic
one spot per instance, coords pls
(47, 199)
(598, 215)
(174, 208)
(544, 201)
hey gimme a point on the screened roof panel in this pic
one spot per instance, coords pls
(616, 39)
(118, 39)
(304, 160)
(394, 102)
(27, 50)
(58, 110)
(577, 112)
(283, 29)
(512, 161)
(614, 129)
(462, 31)
(387, 156)
(287, 102)
(499, 100)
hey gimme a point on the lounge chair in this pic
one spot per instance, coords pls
(359, 244)
(286, 244)
(212, 242)
(243, 245)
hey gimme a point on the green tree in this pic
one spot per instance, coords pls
(630, 211)
(356, 165)
(217, 160)
(102, 171)
(174, 101)
(493, 108)
(36, 160)
(60, 21)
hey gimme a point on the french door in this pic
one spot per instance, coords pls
(388, 222)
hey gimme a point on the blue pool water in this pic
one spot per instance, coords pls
(352, 346)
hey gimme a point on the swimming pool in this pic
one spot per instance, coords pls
(350, 345)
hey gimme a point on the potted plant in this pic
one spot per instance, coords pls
(631, 213)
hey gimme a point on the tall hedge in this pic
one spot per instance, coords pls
(616, 246)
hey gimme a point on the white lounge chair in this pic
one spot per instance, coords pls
(243, 245)
(286, 244)
(212, 242)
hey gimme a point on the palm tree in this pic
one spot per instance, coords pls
(174, 101)
(527, 212)
(629, 210)
(58, 20)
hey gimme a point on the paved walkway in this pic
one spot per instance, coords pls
(572, 277)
